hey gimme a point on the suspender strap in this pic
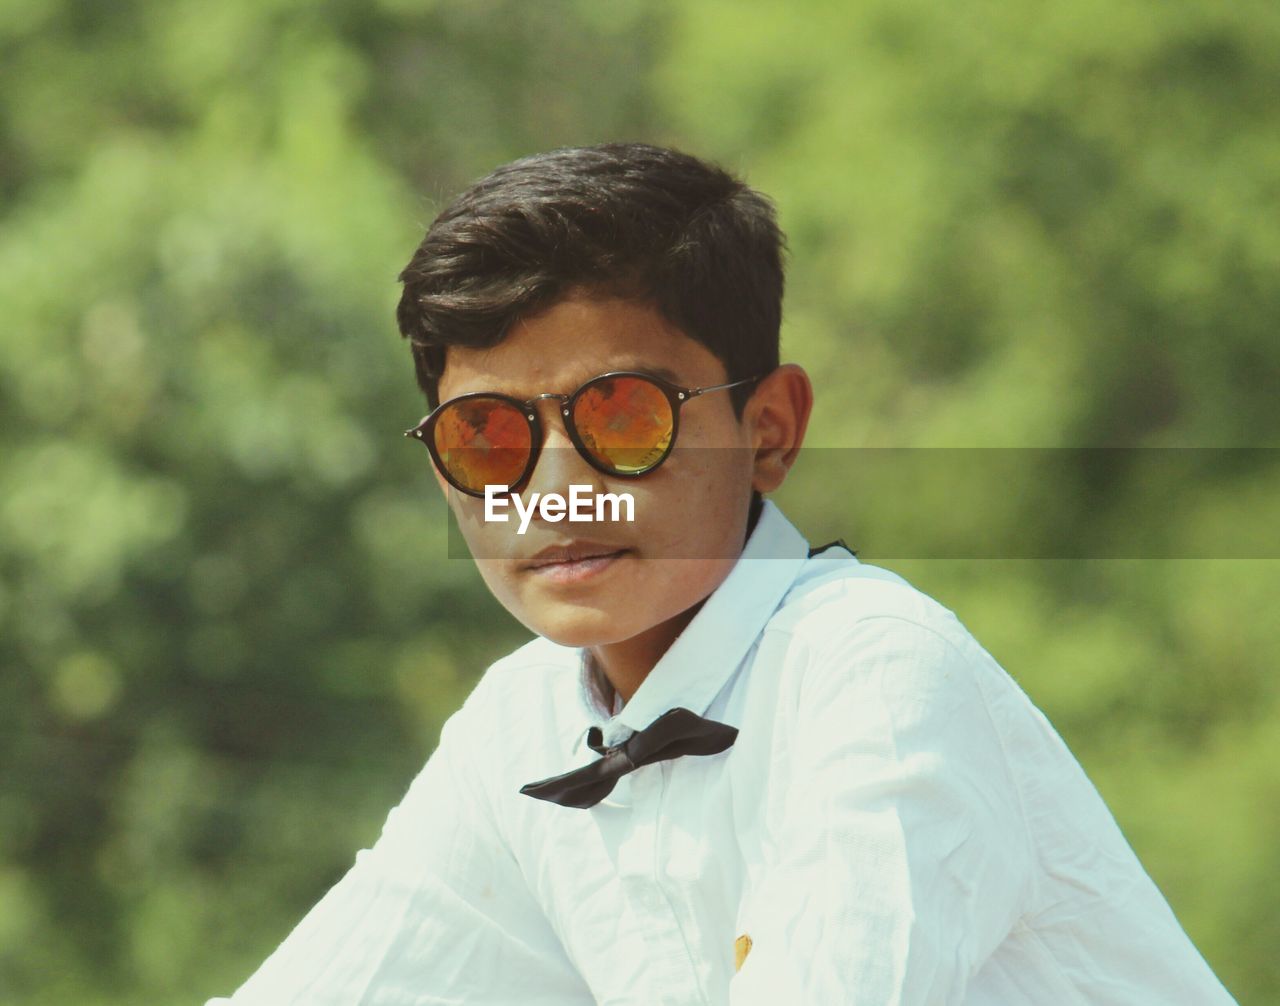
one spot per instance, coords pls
(831, 544)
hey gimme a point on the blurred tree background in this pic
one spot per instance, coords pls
(229, 629)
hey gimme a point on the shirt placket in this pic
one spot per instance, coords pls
(671, 976)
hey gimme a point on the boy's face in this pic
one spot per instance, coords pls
(690, 512)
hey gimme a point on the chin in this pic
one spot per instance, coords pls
(576, 626)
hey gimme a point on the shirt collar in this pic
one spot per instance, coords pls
(696, 666)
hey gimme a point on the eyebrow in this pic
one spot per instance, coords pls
(666, 373)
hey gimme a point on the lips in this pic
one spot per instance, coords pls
(572, 552)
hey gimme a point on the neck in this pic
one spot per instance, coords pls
(624, 665)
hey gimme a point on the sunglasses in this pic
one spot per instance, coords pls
(623, 423)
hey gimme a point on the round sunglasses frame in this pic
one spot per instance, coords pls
(676, 396)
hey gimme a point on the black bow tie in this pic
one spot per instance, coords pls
(676, 732)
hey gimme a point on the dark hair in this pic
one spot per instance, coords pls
(618, 219)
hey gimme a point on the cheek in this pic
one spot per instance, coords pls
(715, 458)
(699, 508)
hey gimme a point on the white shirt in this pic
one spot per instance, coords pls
(895, 823)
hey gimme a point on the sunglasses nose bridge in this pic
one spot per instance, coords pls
(563, 399)
(562, 409)
(561, 461)
(553, 440)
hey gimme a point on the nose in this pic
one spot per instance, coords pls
(559, 463)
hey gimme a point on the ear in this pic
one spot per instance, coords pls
(777, 416)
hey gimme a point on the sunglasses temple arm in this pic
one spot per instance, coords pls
(695, 392)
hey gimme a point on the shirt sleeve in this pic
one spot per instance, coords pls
(437, 911)
(903, 855)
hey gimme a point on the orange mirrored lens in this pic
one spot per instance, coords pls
(483, 441)
(625, 423)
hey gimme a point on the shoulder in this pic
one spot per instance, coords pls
(827, 606)
(529, 663)
(850, 629)
(518, 669)
(528, 673)
(526, 702)
(873, 666)
(510, 716)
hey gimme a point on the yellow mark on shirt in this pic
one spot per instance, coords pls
(741, 947)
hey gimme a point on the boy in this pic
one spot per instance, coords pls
(729, 768)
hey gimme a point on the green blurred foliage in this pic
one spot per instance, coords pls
(229, 632)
